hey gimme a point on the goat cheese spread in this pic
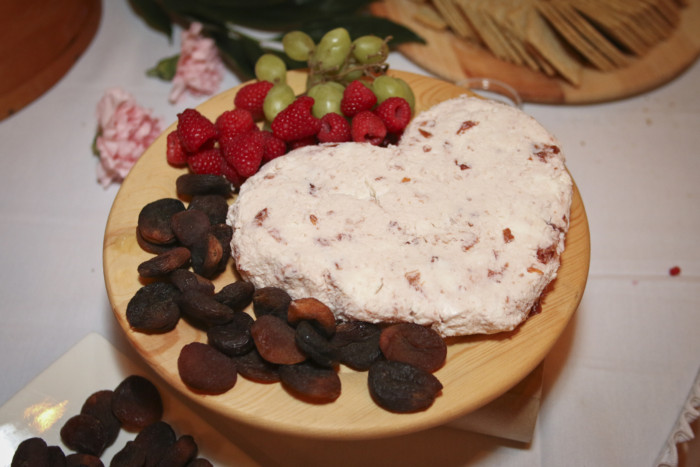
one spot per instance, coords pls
(459, 227)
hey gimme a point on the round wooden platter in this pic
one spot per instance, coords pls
(453, 58)
(478, 368)
(42, 42)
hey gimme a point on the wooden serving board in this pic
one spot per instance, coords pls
(454, 59)
(40, 40)
(478, 368)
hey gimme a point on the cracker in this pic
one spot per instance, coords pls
(479, 23)
(573, 37)
(591, 34)
(542, 38)
(498, 32)
(613, 24)
(501, 16)
(427, 16)
(452, 15)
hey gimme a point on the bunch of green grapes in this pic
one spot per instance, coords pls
(333, 63)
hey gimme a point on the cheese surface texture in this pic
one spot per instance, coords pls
(458, 227)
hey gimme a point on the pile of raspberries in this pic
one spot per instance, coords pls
(233, 146)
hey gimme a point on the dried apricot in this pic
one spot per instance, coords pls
(207, 256)
(223, 233)
(136, 402)
(130, 455)
(56, 456)
(151, 247)
(271, 301)
(79, 459)
(204, 309)
(202, 184)
(84, 433)
(185, 279)
(275, 340)
(254, 368)
(311, 309)
(315, 346)
(402, 388)
(233, 338)
(31, 451)
(154, 220)
(310, 382)
(180, 453)
(205, 369)
(415, 344)
(357, 344)
(154, 440)
(154, 308)
(213, 205)
(99, 405)
(237, 295)
(190, 227)
(164, 263)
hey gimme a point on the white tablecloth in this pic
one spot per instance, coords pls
(615, 382)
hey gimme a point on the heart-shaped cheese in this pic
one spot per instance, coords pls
(459, 227)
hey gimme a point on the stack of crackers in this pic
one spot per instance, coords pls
(558, 37)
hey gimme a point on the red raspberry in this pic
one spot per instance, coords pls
(244, 152)
(231, 175)
(251, 97)
(194, 130)
(274, 147)
(234, 122)
(334, 129)
(207, 161)
(175, 153)
(395, 113)
(296, 122)
(356, 98)
(367, 127)
(300, 143)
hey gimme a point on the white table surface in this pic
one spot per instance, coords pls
(614, 383)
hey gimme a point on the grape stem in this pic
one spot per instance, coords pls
(318, 74)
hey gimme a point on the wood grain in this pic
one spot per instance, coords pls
(454, 59)
(478, 368)
(40, 40)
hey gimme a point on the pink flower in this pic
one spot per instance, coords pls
(125, 130)
(199, 68)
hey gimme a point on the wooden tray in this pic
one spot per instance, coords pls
(454, 59)
(40, 41)
(478, 368)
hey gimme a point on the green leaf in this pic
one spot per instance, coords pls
(240, 53)
(165, 69)
(262, 15)
(363, 25)
(93, 146)
(242, 3)
(154, 15)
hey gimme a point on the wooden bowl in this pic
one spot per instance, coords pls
(40, 40)
(478, 368)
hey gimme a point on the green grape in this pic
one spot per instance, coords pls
(408, 94)
(327, 97)
(333, 49)
(352, 76)
(369, 49)
(385, 87)
(270, 67)
(277, 99)
(312, 79)
(298, 45)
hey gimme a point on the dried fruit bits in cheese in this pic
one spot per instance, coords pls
(459, 227)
